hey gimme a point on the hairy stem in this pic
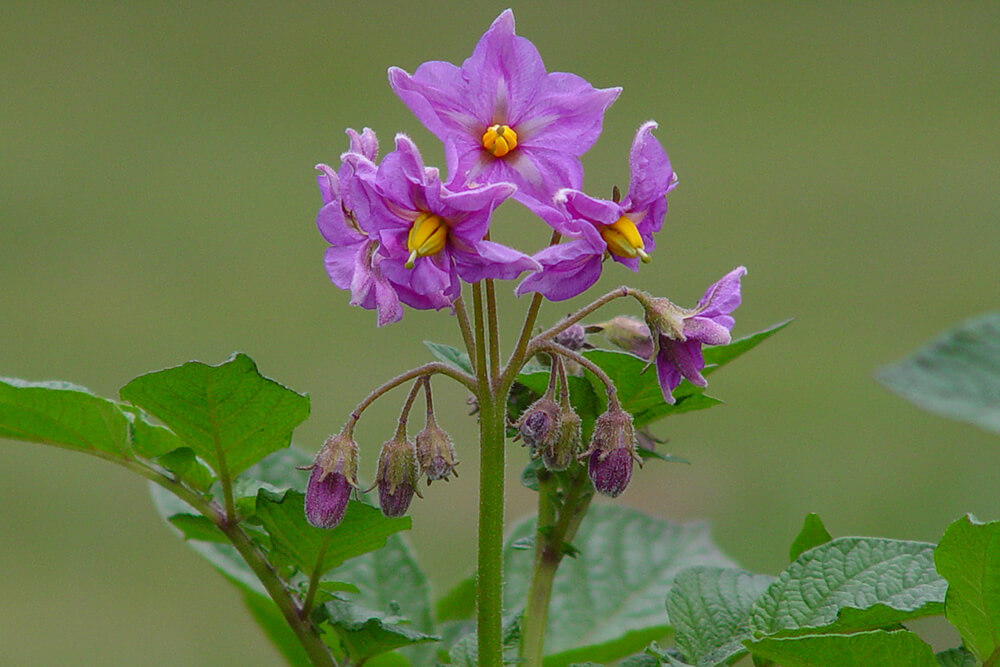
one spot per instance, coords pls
(307, 633)
(466, 327)
(493, 329)
(480, 328)
(404, 413)
(609, 386)
(549, 552)
(307, 602)
(489, 581)
(570, 320)
(435, 367)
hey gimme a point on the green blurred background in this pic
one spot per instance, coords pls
(157, 204)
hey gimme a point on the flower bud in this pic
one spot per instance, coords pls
(539, 425)
(334, 475)
(564, 449)
(611, 452)
(397, 475)
(573, 337)
(665, 319)
(627, 333)
(435, 452)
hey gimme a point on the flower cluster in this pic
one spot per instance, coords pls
(399, 234)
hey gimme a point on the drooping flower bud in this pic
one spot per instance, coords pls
(627, 333)
(539, 425)
(333, 477)
(611, 452)
(566, 445)
(397, 475)
(435, 452)
(573, 337)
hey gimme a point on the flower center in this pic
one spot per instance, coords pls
(427, 237)
(624, 240)
(499, 140)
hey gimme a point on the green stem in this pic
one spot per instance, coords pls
(489, 582)
(305, 631)
(467, 336)
(307, 602)
(480, 328)
(435, 367)
(548, 555)
(493, 329)
(570, 320)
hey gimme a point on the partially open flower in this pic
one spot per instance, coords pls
(611, 452)
(435, 452)
(333, 477)
(397, 475)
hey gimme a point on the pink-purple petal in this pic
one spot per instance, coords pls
(723, 297)
(706, 331)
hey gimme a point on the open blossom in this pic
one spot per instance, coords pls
(598, 227)
(351, 259)
(430, 236)
(503, 118)
(678, 334)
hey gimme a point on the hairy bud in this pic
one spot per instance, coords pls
(566, 445)
(539, 425)
(627, 333)
(333, 477)
(435, 452)
(611, 452)
(397, 475)
(573, 337)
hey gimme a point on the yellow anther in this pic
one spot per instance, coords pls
(624, 240)
(427, 237)
(499, 140)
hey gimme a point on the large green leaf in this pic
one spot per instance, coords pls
(968, 557)
(607, 603)
(229, 411)
(293, 541)
(957, 375)
(850, 584)
(390, 581)
(64, 415)
(709, 608)
(363, 633)
(876, 648)
(465, 652)
(956, 657)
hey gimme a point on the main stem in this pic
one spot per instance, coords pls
(489, 588)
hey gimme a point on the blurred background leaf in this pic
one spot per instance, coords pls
(157, 204)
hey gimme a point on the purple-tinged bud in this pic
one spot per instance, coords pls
(611, 452)
(665, 319)
(627, 333)
(397, 475)
(435, 452)
(566, 446)
(573, 337)
(333, 477)
(539, 425)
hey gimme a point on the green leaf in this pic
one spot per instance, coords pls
(188, 468)
(607, 603)
(968, 557)
(390, 580)
(364, 633)
(720, 355)
(709, 608)
(851, 584)
(229, 410)
(876, 648)
(450, 355)
(197, 527)
(956, 657)
(63, 415)
(956, 375)
(813, 534)
(293, 541)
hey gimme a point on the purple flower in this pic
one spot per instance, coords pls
(624, 230)
(503, 118)
(678, 334)
(611, 452)
(333, 477)
(351, 261)
(429, 236)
